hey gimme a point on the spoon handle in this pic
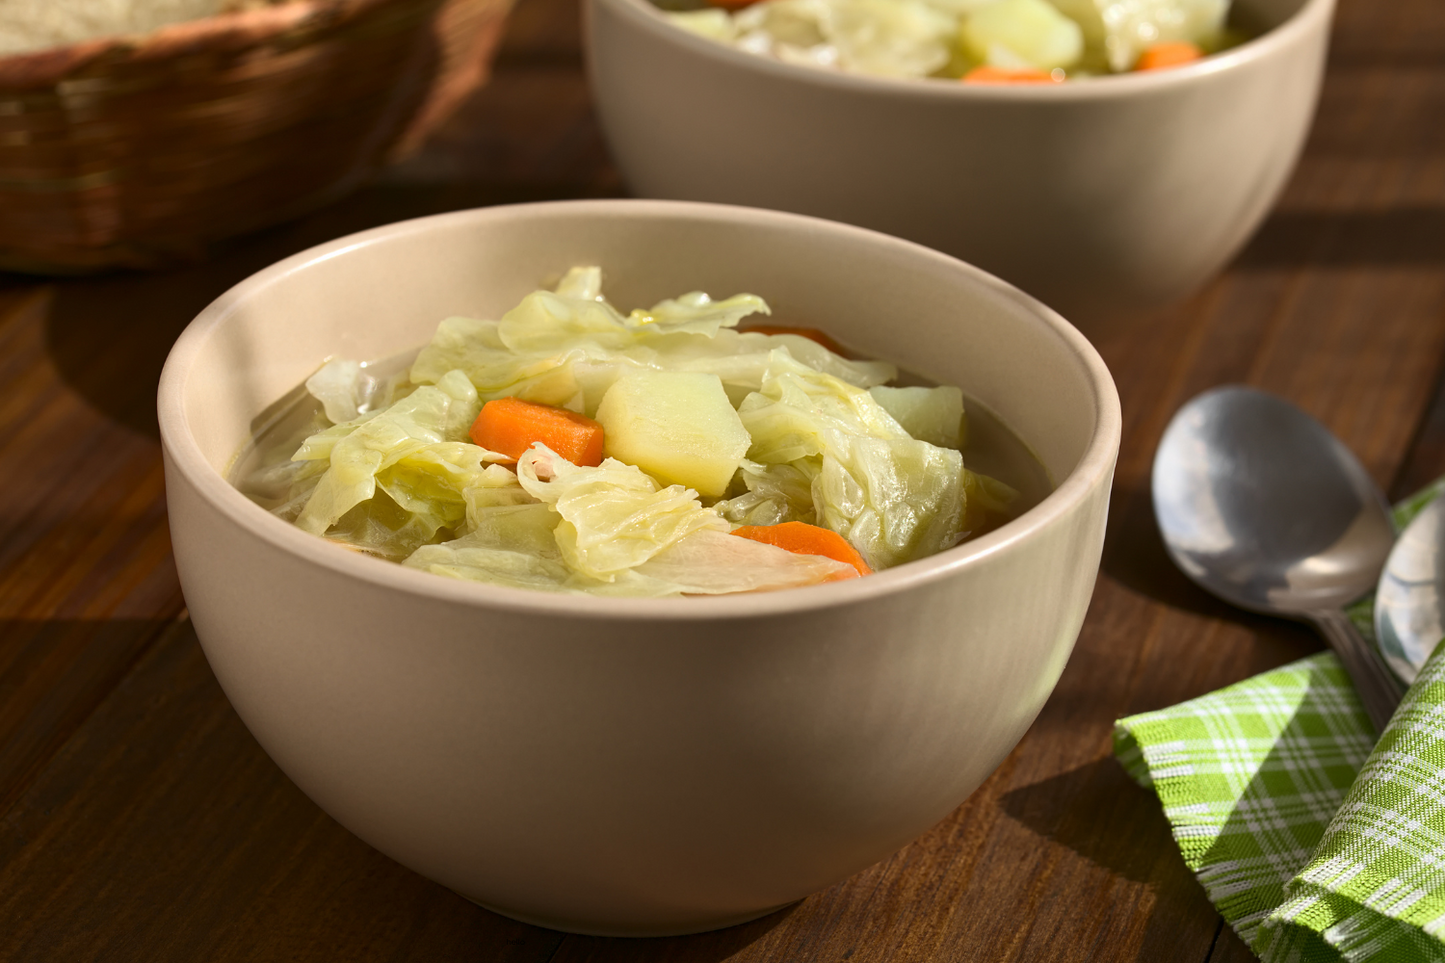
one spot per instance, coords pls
(1379, 690)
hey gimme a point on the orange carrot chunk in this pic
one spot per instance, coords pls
(509, 426)
(812, 334)
(801, 538)
(731, 4)
(1001, 75)
(1161, 56)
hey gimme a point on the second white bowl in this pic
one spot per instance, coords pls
(1124, 191)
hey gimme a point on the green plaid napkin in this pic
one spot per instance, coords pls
(1314, 841)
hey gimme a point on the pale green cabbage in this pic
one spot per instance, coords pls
(1023, 34)
(337, 385)
(895, 498)
(348, 390)
(508, 545)
(934, 415)
(696, 313)
(584, 283)
(988, 503)
(615, 516)
(775, 494)
(430, 416)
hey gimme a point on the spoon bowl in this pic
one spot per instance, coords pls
(1408, 618)
(1261, 506)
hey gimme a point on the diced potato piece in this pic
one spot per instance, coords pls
(677, 426)
(1023, 33)
(934, 415)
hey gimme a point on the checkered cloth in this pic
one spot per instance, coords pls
(1315, 842)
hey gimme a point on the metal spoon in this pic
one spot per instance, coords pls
(1259, 504)
(1408, 622)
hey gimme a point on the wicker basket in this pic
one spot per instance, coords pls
(141, 151)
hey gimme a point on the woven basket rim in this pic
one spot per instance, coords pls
(223, 32)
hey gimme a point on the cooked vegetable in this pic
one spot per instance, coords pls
(1118, 31)
(803, 539)
(1022, 35)
(987, 503)
(980, 41)
(934, 415)
(640, 441)
(891, 38)
(1003, 75)
(1162, 56)
(678, 426)
(894, 497)
(614, 516)
(509, 426)
(564, 350)
(337, 387)
(377, 449)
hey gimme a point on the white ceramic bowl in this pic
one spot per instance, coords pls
(1119, 192)
(634, 766)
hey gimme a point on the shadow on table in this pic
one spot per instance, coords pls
(1392, 238)
(1066, 809)
(1098, 812)
(109, 334)
(1269, 834)
(1135, 556)
(699, 948)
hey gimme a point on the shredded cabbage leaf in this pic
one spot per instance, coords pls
(615, 516)
(360, 450)
(894, 497)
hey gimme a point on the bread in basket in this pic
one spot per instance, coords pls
(141, 150)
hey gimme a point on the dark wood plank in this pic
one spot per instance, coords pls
(162, 832)
(83, 541)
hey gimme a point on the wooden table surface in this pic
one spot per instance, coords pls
(140, 821)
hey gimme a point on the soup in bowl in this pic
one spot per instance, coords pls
(636, 766)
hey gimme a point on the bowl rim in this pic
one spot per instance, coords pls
(1312, 16)
(1094, 469)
